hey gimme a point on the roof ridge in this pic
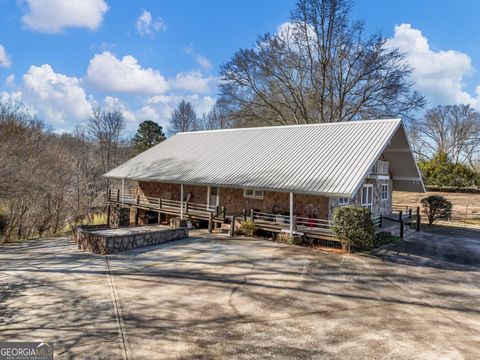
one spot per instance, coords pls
(293, 126)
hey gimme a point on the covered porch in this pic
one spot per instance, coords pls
(219, 216)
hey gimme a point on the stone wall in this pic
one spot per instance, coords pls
(103, 240)
(379, 206)
(275, 202)
(234, 202)
(194, 193)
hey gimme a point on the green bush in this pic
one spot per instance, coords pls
(437, 207)
(443, 173)
(247, 228)
(354, 225)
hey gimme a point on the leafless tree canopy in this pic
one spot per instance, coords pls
(217, 118)
(183, 119)
(106, 128)
(452, 129)
(49, 181)
(320, 68)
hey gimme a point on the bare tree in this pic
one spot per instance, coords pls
(451, 129)
(217, 118)
(183, 119)
(106, 128)
(321, 67)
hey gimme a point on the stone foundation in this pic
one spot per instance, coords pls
(104, 240)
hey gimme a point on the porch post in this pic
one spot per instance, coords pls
(208, 196)
(123, 191)
(181, 201)
(291, 213)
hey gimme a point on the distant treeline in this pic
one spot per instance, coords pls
(49, 181)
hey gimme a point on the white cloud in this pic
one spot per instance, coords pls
(52, 16)
(10, 81)
(55, 97)
(193, 81)
(5, 60)
(146, 25)
(108, 73)
(159, 108)
(112, 103)
(438, 74)
(201, 60)
(15, 96)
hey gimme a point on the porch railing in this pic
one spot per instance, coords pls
(282, 222)
(380, 168)
(132, 197)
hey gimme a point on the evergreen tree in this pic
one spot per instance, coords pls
(149, 134)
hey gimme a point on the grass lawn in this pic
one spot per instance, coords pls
(466, 206)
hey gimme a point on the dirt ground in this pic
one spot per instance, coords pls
(466, 206)
(212, 297)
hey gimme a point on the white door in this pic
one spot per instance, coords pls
(367, 196)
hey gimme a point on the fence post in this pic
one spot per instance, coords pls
(223, 213)
(118, 195)
(419, 219)
(136, 216)
(401, 229)
(400, 214)
(210, 222)
(232, 226)
(251, 214)
(108, 214)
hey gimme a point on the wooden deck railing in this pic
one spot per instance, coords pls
(131, 197)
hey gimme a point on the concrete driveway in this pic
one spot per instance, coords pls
(213, 297)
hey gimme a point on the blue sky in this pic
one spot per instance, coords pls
(61, 58)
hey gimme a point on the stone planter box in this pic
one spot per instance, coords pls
(104, 240)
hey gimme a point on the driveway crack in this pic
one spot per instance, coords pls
(117, 308)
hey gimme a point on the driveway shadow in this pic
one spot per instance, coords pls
(440, 247)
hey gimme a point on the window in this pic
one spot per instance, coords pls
(367, 197)
(253, 194)
(343, 201)
(384, 191)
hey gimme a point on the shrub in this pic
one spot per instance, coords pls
(288, 239)
(247, 228)
(354, 225)
(443, 173)
(437, 207)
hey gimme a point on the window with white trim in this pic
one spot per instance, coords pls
(253, 194)
(384, 191)
(343, 201)
(367, 196)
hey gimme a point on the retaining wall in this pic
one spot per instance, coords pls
(103, 240)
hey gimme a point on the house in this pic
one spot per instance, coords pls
(285, 176)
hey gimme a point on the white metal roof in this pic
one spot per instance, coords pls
(325, 159)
